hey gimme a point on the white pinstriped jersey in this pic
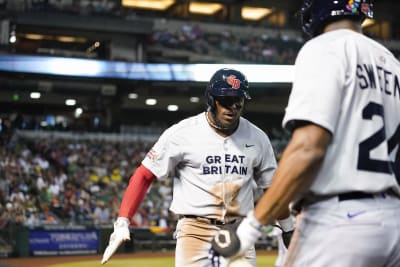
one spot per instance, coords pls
(213, 176)
(350, 85)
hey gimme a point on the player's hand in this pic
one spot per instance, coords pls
(121, 234)
(231, 242)
(287, 227)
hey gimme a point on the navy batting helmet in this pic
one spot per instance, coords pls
(227, 82)
(315, 14)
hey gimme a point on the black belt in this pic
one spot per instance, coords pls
(208, 220)
(354, 195)
(360, 195)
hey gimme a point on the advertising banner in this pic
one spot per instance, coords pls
(63, 242)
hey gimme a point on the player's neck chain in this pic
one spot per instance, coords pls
(225, 131)
(215, 125)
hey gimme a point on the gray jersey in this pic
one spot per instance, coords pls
(213, 176)
(351, 88)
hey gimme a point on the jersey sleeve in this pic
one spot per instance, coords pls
(316, 94)
(162, 158)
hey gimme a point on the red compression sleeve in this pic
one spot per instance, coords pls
(135, 192)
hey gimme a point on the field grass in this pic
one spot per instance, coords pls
(262, 261)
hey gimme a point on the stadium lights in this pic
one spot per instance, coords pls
(35, 95)
(78, 112)
(368, 22)
(13, 37)
(133, 96)
(33, 36)
(204, 8)
(66, 39)
(145, 4)
(172, 107)
(151, 101)
(70, 102)
(255, 13)
(194, 99)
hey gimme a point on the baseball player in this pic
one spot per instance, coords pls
(341, 168)
(216, 157)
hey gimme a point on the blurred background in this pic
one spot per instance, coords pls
(87, 86)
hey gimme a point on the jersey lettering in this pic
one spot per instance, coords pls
(233, 164)
(365, 162)
(388, 82)
(213, 159)
(228, 170)
(228, 158)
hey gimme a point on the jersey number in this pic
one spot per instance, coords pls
(374, 165)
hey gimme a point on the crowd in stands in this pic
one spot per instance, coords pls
(256, 48)
(83, 7)
(190, 37)
(55, 181)
(71, 182)
(243, 48)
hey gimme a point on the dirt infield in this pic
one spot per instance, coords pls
(45, 261)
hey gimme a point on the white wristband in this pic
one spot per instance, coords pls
(248, 232)
(122, 222)
(287, 224)
(254, 222)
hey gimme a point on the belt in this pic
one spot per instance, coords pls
(360, 195)
(352, 195)
(208, 220)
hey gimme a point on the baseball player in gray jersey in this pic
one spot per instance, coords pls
(341, 168)
(217, 158)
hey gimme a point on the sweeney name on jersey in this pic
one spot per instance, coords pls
(388, 81)
(226, 164)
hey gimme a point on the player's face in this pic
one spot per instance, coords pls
(228, 109)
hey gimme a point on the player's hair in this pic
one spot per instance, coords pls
(316, 14)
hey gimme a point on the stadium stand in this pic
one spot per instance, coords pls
(63, 172)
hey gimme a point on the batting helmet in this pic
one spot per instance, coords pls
(227, 82)
(315, 14)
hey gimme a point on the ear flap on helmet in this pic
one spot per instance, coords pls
(210, 100)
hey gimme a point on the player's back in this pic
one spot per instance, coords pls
(370, 115)
(377, 94)
(363, 96)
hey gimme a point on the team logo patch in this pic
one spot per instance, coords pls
(233, 82)
(151, 154)
(353, 5)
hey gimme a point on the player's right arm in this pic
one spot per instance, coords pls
(137, 188)
(296, 171)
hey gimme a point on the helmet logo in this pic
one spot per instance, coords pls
(353, 5)
(232, 81)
